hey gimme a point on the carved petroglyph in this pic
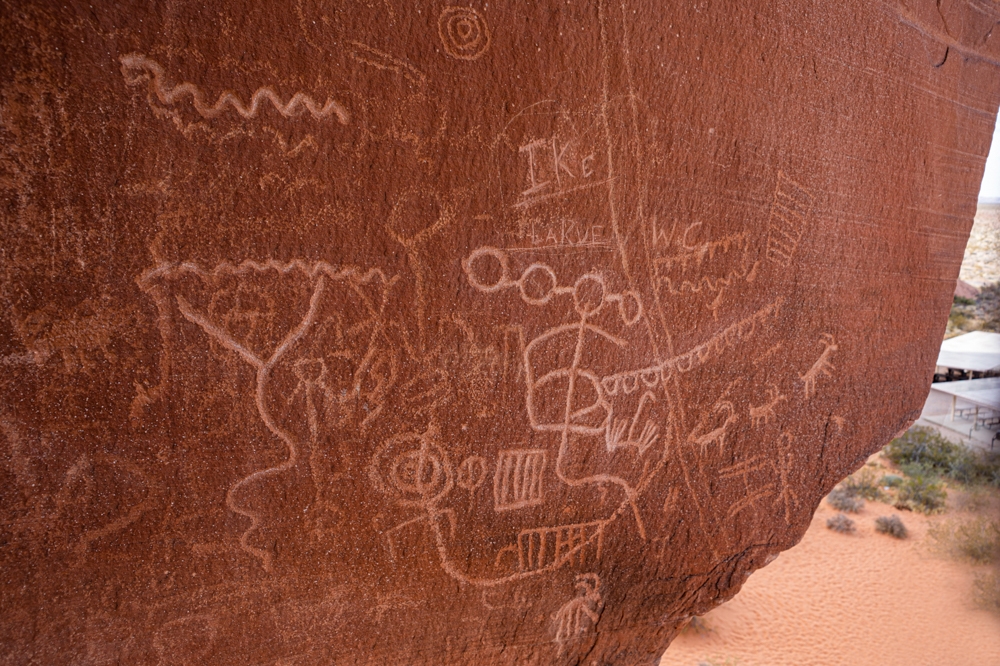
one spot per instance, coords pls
(365, 372)
(783, 460)
(80, 337)
(578, 616)
(415, 471)
(137, 68)
(770, 474)
(471, 473)
(715, 347)
(551, 547)
(821, 367)
(622, 432)
(117, 465)
(382, 60)
(752, 494)
(464, 32)
(790, 211)
(567, 397)
(713, 426)
(488, 270)
(519, 479)
(761, 415)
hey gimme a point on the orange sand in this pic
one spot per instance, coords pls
(855, 600)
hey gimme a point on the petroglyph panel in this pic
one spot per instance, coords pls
(346, 333)
(519, 480)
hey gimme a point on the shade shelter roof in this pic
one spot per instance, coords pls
(979, 392)
(977, 351)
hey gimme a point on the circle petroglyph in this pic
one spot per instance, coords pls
(417, 472)
(471, 473)
(413, 469)
(588, 294)
(487, 269)
(464, 32)
(537, 284)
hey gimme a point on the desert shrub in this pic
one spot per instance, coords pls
(891, 525)
(863, 484)
(958, 320)
(986, 591)
(922, 451)
(842, 499)
(988, 306)
(923, 493)
(978, 540)
(974, 499)
(840, 523)
(924, 447)
(892, 480)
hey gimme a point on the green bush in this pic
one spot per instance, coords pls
(892, 480)
(864, 484)
(891, 525)
(922, 451)
(925, 447)
(921, 492)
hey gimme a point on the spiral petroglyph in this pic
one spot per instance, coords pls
(464, 32)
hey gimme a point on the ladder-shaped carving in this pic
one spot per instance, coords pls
(518, 480)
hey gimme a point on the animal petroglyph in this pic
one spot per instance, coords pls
(821, 367)
(137, 68)
(464, 32)
(579, 615)
(519, 479)
(763, 414)
(719, 419)
(790, 211)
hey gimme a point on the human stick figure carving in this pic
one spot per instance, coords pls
(579, 615)
(313, 383)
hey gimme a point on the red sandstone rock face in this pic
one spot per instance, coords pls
(511, 333)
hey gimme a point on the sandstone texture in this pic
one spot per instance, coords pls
(417, 333)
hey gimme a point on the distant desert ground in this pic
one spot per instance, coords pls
(860, 599)
(981, 264)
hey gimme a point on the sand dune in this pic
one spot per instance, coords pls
(851, 599)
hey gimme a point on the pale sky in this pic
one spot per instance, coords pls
(991, 179)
